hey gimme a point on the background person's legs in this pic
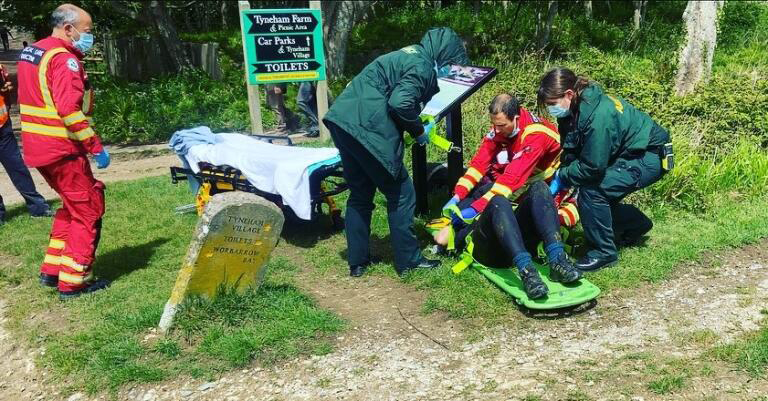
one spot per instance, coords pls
(306, 101)
(10, 158)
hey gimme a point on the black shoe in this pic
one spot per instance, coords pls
(589, 264)
(423, 264)
(49, 280)
(97, 285)
(46, 213)
(534, 287)
(562, 270)
(358, 270)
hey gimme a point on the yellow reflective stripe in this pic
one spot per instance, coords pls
(466, 257)
(52, 259)
(501, 189)
(87, 101)
(83, 134)
(43, 70)
(56, 244)
(47, 130)
(43, 112)
(74, 118)
(74, 279)
(474, 173)
(69, 262)
(540, 128)
(466, 183)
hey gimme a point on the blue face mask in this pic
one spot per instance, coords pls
(85, 43)
(558, 111)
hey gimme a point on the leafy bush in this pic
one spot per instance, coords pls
(129, 112)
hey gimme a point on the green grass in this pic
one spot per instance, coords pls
(108, 339)
(749, 354)
(667, 384)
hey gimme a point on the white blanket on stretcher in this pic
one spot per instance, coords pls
(280, 170)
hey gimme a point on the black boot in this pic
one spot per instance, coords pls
(49, 280)
(534, 287)
(562, 270)
(97, 285)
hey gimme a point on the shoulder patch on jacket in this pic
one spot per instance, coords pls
(32, 54)
(617, 103)
(72, 65)
(409, 50)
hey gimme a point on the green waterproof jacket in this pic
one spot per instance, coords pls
(387, 96)
(605, 128)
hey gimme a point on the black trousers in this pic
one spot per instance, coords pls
(10, 158)
(502, 232)
(364, 175)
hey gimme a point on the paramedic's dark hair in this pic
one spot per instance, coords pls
(554, 84)
(505, 103)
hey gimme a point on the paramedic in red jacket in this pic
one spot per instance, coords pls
(520, 151)
(55, 101)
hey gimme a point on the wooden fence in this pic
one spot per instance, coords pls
(139, 59)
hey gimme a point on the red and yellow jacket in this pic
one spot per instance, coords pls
(513, 163)
(55, 101)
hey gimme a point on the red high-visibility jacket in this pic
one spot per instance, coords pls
(513, 163)
(55, 101)
(3, 107)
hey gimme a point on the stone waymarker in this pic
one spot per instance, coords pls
(233, 240)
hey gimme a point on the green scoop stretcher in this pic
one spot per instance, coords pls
(559, 296)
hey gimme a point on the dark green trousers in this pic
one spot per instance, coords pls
(605, 220)
(364, 174)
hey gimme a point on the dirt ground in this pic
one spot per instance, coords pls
(602, 354)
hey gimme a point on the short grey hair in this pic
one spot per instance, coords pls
(63, 15)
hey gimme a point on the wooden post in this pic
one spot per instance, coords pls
(321, 91)
(419, 165)
(254, 103)
(455, 158)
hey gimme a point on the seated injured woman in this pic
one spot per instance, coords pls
(511, 167)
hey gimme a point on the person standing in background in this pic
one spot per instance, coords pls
(10, 158)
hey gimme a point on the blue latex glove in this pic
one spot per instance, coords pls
(422, 139)
(466, 214)
(452, 202)
(102, 159)
(428, 127)
(556, 184)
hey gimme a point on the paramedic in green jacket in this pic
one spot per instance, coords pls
(610, 149)
(367, 122)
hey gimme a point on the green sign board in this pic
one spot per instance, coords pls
(283, 45)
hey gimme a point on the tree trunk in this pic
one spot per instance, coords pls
(224, 9)
(695, 63)
(339, 17)
(588, 8)
(544, 27)
(639, 14)
(174, 55)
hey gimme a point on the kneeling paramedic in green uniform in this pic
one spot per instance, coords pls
(367, 122)
(610, 149)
